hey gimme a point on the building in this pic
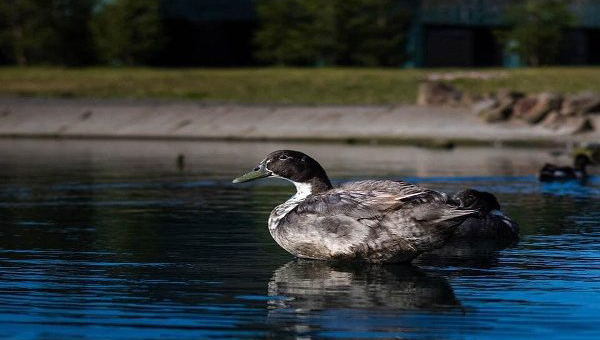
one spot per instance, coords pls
(462, 33)
(442, 33)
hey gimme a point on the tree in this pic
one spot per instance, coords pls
(537, 30)
(316, 32)
(25, 30)
(70, 19)
(299, 32)
(128, 32)
(370, 32)
(46, 31)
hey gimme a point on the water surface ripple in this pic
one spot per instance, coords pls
(115, 240)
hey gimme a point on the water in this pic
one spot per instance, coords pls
(102, 240)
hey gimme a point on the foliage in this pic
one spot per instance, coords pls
(537, 29)
(343, 32)
(296, 32)
(46, 31)
(128, 32)
(370, 32)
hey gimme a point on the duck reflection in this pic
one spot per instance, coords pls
(304, 285)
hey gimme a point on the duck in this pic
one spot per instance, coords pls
(477, 240)
(490, 225)
(554, 173)
(375, 221)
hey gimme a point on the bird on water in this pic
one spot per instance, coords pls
(554, 173)
(373, 221)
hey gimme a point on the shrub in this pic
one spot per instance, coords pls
(128, 32)
(537, 30)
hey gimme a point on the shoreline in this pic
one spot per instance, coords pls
(191, 120)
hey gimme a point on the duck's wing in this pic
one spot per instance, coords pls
(368, 199)
(375, 219)
(397, 188)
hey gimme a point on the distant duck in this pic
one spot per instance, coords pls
(372, 221)
(553, 173)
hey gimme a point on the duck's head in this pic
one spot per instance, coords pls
(294, 166)
(581, 161)
(474, 199)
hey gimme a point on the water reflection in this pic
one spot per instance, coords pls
(303, 292)
(317, 285)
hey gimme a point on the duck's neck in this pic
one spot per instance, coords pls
(314, 186)
(303, 190)
(580, 167)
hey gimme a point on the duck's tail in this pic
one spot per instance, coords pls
(435, 226)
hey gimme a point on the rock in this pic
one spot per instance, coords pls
(482, 105)
(523, 105)
(508, 95)
(438, 93)
(499, 108)
(553, 120)
(567, 124)
(545, 102)
(595, 123)
(468, 99)
(562, 124)
(581, 104)
(497, 113)
(574, 125)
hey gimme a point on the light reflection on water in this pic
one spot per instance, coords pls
(114, 240)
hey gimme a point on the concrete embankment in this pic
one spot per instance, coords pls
(94, 118)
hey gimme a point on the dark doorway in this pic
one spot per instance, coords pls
(593, 43)
(448, 46)
(451, 46)
(208, 43)
(487, 51)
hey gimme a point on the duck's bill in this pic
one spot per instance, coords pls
(252, 175)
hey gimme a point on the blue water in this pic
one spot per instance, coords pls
(115, 240)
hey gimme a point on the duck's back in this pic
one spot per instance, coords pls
(376, 221)
(551, 172)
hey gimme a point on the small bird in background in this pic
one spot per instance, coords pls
(554, 173)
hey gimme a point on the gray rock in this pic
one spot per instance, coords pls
(483, 105)
(545, 103)
(567, 124)
(594, 121)
(553, 120)
(575, 125)
(499, 108)
(507, 95)
(581, 104)
(523, 105)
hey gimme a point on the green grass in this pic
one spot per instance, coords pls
(274, 85)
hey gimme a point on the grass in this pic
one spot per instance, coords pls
(275, 85)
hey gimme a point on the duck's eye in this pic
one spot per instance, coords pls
(257, 168)
(283, 157)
